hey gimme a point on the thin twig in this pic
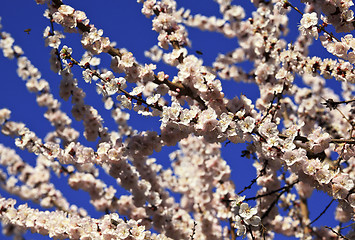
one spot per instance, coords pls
(270, 193)
(262, 172)
(347, 226)
(277, 199)
(337, 233)
(251, 233)
(326, 208)
(193, 231)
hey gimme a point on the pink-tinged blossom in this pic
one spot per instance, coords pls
(308, 24)
(4, 115)
(153, 99)
(52, 39)
(187, 115)
(244, 216)
(241, 228)
(65, 16)
(154, 53)
(293, 156)
(137, 90)
(66, 10)
(311, 167)
(94, 42)
(254, 221)
(246, 212)
(124, 101)
(112, 86)
(79, 15)
(319, 140)
(341, 185)
(247, 124)
(147, 73)
(292, 131)
(225, 120)
(87, 75)
(324, 175)
(206, 118)
(269, 129)
(148, 6)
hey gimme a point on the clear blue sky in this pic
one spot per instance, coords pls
(122, 22)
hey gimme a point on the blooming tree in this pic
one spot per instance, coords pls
(299, 134)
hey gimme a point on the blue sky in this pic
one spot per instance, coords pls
(122, 22)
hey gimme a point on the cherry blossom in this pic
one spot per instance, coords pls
(298, 133)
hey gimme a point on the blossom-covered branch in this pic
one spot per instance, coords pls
(299, 131)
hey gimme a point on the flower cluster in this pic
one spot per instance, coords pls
(244, 216)
(298, 136)
(308, 25)
(61, 225)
